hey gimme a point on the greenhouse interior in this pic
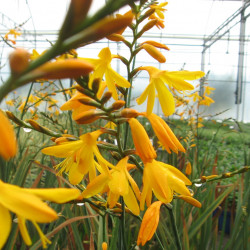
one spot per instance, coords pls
(125, 124)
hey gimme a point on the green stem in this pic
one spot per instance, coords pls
(173, 223)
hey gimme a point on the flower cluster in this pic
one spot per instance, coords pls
(103, 169)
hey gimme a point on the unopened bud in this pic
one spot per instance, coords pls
(190, 200)
(116, 37)
(156, 44)
(117, 105)
(154, 52)
(96, 85)
(104, 246)
(35, 125)
(42, 129)
(19, 60)
(116, 155)
(103, 28)
(148, 13)
(80, 9)
(77, 12)
(69, 68)
(107, 95)
(89, 116)
(8, 143)
(129, 113)
(147, 27)
(60, 140)
(121, 89)
(188, 168)
(88, 101)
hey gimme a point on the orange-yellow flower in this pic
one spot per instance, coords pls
(103, 67)
(141, 141)
(79, 156)
(159, 22)
(8, 144)
(27, 204)
(159, 9)
(164, 133)
(163, 180)
(206, 101)
(149, 223)
(158, 78)
(119, 183)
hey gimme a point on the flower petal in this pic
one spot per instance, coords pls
(119, 80)
(63, 150)
(151, 98)
(177, 173)
(165, 98)
(131, 201)
(23, 230)
(25, 204)
(58, 195)
(96, 186)
(5, 225)
(142, 98)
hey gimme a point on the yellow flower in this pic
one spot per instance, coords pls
(119, 183)
(149, 223)
(159, 9)
(164, 134)
(103, 67)
(79, 156)
(8, 144)
(141, 141)
(208, 90)
(159, 22)
(174, 79)
(27, 204)
(206, 101)
(163, 180)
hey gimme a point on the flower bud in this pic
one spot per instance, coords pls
(156, 44)
(107, 95)
(19, 60)
(155, 53)
(147, 27)
(116, 37)
(129, 113)
(102, 28)
(188, 168)
(117, 105)
(96, 85)
(89, 116)
(190, 200)
(8, 144)
(88, 101)
(70, 68)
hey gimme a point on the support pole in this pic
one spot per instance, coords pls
(239, 86)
